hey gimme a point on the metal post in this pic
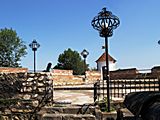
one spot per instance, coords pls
(105, 22)
(34, 45)
(95, 91)
(104, 77)
(84, 53)
(85, 68)
(159, 81)
(34, 61)
(107, 66)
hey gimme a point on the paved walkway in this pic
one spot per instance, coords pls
(74, 96)
(77, 96)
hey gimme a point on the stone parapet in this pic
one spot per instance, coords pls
(62, 72)
(66, 77)
(13, 70)
(93, 75)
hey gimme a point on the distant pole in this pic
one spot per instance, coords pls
(34, 61)
(84, 53)
(85, 68)
(159, 76)
(34, 45)
(159, 42)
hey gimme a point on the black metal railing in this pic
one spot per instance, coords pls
(122, 84)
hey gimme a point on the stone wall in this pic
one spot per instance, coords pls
(62, 72)
(13, 70)
(59, 80)
(93, 75)
(59, 77)
(66, 77)
(125, 71)
(155, 69)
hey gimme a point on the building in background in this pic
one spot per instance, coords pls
(101, 61)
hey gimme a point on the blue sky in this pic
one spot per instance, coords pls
(61, 24)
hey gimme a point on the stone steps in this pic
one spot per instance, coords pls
(85, 112)
(67, 117)
(79, 109)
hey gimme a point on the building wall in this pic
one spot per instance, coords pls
(112, 66)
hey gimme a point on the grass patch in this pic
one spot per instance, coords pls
(59, 105)
(103, 105)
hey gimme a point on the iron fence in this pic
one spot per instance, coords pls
(122, 84)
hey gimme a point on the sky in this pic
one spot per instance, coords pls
(61, 24)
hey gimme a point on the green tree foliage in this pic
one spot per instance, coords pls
(12, 48)
(71, 60)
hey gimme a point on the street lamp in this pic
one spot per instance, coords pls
(105, 22)
(85, 53)
(159, 42)
(34, 45)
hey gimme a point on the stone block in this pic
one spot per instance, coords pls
(109, 115)
(54, 110)
(88, 117)
(78, 117)
(71, 110)
(71, 117)
(52, 117)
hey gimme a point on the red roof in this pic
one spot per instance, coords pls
(103, 58)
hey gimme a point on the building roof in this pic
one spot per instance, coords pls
(102, 58)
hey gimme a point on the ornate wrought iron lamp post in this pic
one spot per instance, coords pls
(105, 22)
(85, 53)
(34, 45)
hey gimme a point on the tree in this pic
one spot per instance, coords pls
(12, 48)
(71, 60)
